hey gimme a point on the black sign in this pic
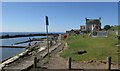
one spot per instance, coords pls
(47, 20)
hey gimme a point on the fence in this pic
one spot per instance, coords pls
(108, 63)
(100, 34)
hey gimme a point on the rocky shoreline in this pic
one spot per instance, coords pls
(20, 55)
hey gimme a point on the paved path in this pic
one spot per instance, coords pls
(24, 63)
(55, 61)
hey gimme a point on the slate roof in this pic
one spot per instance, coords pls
(93, 21)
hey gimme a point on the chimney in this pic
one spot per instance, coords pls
(99, 18)
(86, 19)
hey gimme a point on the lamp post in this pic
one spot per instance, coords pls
(47, 23)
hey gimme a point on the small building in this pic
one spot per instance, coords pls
(73, 31)
(82, 27)
(93, 25)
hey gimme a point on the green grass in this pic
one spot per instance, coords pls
(97, 48)
(115, 28)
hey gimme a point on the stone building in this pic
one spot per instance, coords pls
(93, 24)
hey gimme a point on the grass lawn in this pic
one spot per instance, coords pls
(98, 48)
(115, 28)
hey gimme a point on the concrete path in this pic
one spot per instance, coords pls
(55, 62)
(25, 62)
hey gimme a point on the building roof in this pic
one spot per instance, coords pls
(93, 21)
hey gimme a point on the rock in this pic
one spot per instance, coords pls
(84, 61)
(44, 68)
(91, 61)
(103, 62)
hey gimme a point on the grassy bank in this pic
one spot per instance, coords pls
(98, 48)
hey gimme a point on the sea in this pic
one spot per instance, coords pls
(6, 53)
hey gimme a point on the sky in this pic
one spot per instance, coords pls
(63, 16)
(59, 0)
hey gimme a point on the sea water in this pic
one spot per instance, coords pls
(9, 52)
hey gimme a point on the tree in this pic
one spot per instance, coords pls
(107, 27)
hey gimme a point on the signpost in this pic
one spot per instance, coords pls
(47, 23)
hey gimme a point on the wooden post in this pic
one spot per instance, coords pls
(69, 63)
(66, 45)
(35, 62)
(109, 63)
(50, 42)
